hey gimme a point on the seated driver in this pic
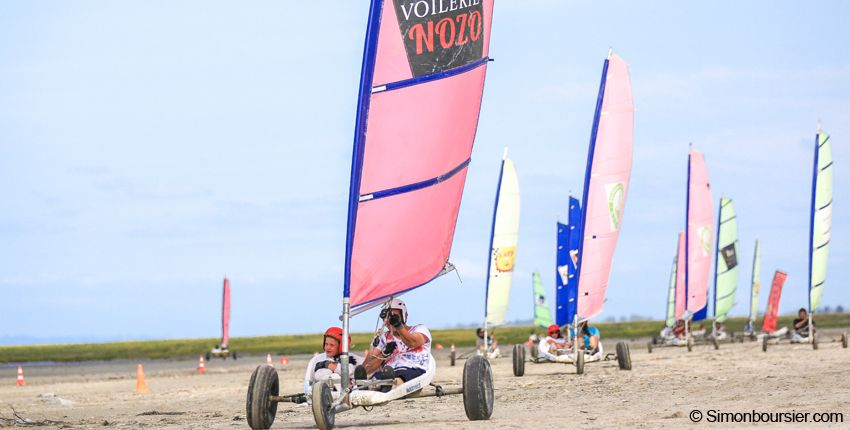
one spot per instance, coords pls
(403, 348)
(553, 345)
(492, 348)
(590, 339)
(326, 365)
(800, 330)
(719, 330)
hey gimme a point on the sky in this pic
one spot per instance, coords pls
(148, 149)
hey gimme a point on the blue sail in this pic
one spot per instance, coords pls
(568, 243)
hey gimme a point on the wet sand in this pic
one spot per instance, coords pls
(660, 392)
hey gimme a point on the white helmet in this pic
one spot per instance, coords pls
(396, 304)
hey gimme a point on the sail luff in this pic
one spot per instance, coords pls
(503, 244)
(699, 236)
(542, 316)
(225, 314)
(492, 233)
(370, 51)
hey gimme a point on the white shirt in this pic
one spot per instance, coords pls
(405, 357)
(311, 376)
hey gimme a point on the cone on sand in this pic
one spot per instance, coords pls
(141, 386)
(453, 348)
(20, 382)
(202, 368)
(269, 360)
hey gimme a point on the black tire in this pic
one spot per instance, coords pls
(624, 358)
(814, 341)
(234, 355)
(844, 340)
(452, 358)
(323, 410)
(715, 342)
(654, 340)
(478, 388)
(518, 356)
(534, 351)
(690, 344)
(580, 363)
(208, 356)
(764, 343)
(649, 347)
(260, 409)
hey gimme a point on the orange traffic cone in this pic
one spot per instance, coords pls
(284, 361)
(269, 360)
(453, 348)
(20, 382)
(202, 368)
(141, 386)
(438, 346)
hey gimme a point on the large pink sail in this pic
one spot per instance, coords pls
(225, 314)
(680, 278)
(421, 90)
(606, 185)
(700, 232)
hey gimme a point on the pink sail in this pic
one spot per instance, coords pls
(225, 314)
(680, 278)
(700, 232)
(415, 141)
(606, 186)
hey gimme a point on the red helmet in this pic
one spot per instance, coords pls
(553, 329)
(336, 333)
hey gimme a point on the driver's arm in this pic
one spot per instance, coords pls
(411, 339)
(373, 360)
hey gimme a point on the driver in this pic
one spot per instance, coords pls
(800, 330)
(404, 349)
(590, 338)
(553, 345)
(326, 365)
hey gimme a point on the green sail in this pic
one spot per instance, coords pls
(542, 316)
(726, 267)
(671, 296)
(756, 285)
(821, 221)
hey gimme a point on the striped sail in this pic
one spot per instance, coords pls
(606, 185)
(820, 224)
(671, 296)
(726, 263)
(756, 285)
(542, 316)
(699, 230)
(421, 85)
(503, 243)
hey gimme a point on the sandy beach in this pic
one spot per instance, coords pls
(660, 392)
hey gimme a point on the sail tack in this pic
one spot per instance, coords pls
(699, 235)
(726, 263)
(420, 95)
(503, 244)
(606, 185)
(821, 218)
